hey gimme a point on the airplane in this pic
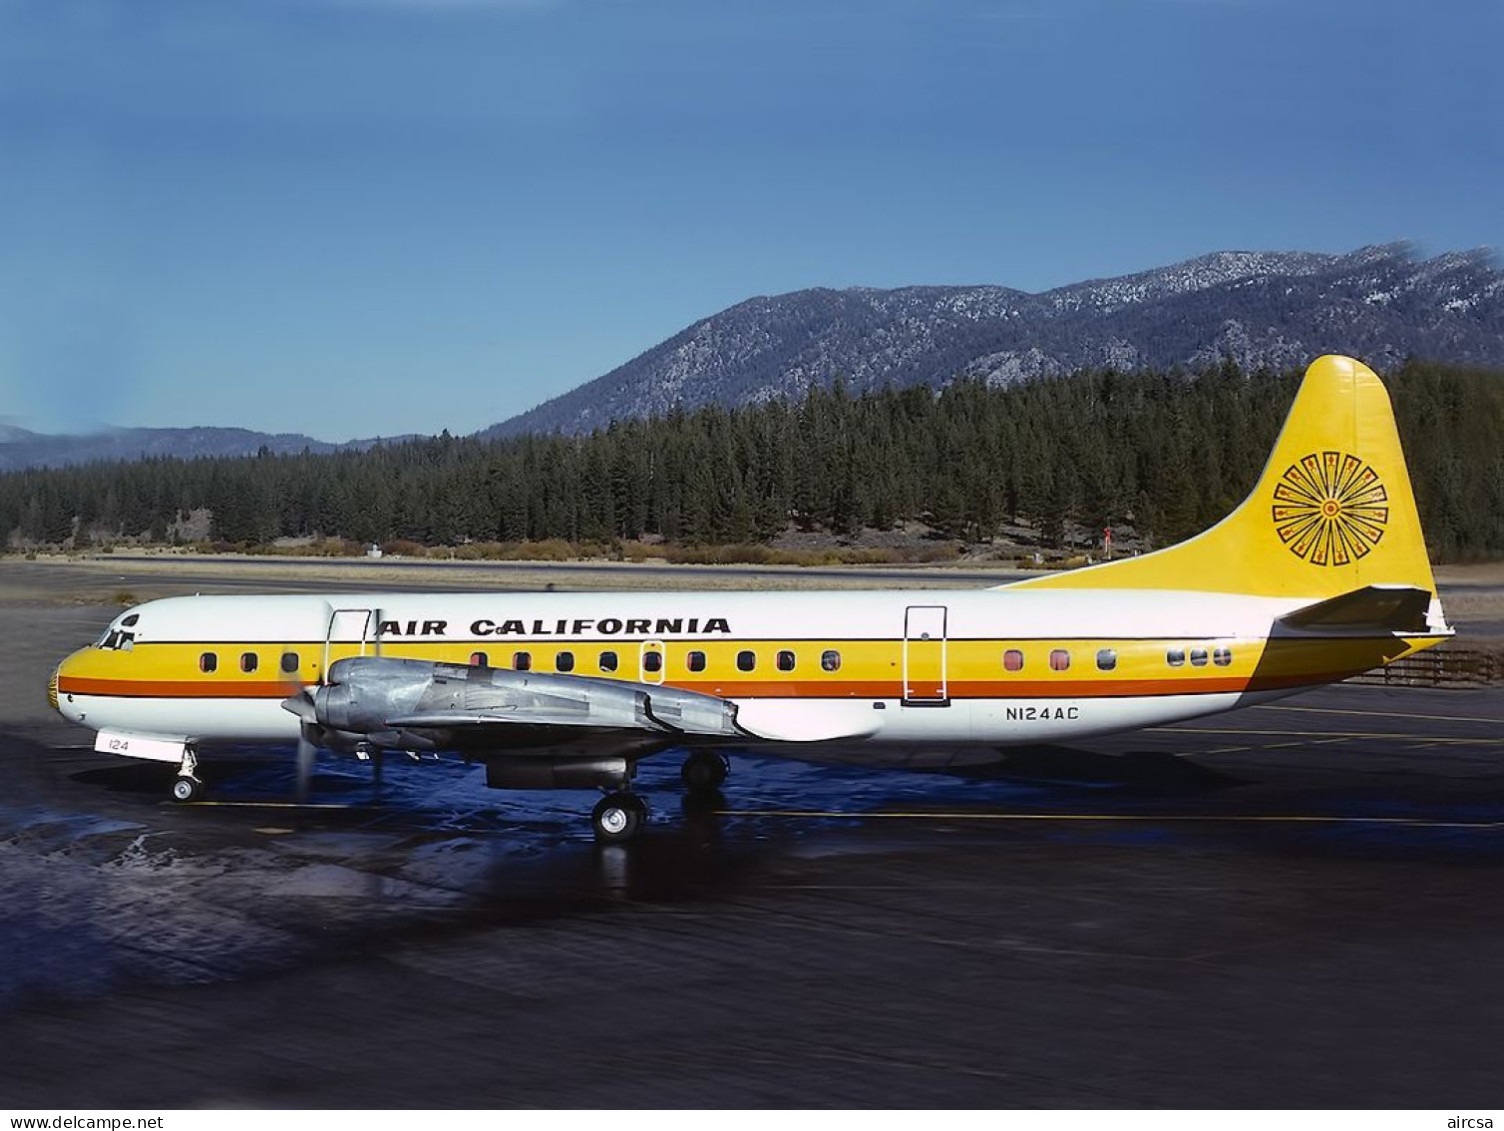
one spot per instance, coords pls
(1321, 573)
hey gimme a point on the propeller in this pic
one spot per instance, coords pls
(300, 700)
(301, 704)
(307, 751)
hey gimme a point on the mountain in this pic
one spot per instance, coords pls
(1272, 309)
(21, 449)
(10, 434)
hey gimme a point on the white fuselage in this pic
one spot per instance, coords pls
(897, 677)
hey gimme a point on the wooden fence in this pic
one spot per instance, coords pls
(1443, 666)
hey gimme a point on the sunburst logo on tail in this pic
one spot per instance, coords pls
(1330, 508)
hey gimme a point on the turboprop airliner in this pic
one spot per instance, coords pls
(1320, 574)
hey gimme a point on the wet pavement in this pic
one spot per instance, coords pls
(1293, 905)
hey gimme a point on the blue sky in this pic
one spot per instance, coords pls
(362, 217)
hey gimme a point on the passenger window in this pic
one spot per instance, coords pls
(1107, 659)
(1060, 660)
(564, 662)
(208, 662)
(1198, 657)
(696, 661)
(608, 661)
(289, 662)
(830, 660)
(248, 662)
(479, 660)
(785, 661)
(1175, 657)
(652, 662)
(522, 661)
(1222, 657)
(746, 661)
(1013, 660)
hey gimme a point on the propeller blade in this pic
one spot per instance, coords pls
(300, 703)
(307, 752)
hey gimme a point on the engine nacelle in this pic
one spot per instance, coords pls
(419, 704)
(547, 773)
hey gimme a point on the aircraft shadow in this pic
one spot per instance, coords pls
(1139, 771)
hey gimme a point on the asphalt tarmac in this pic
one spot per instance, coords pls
(1293, 905)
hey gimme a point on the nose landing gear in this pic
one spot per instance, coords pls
(187, 786)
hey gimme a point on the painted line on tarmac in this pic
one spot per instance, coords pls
(1331, 734)
(1302, 743)
(266, 805)
(1379, 714)
(1140, 818)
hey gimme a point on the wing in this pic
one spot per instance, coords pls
(390, 701)
(418, 704)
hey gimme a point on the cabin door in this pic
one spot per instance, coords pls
(352, 632)
(924, 656)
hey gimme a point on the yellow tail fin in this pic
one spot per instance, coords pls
(1332, 512)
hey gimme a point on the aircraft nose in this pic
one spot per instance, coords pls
(52, 688)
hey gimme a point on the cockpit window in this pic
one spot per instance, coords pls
(117, 639)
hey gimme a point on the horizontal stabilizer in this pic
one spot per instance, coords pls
(1373, 609)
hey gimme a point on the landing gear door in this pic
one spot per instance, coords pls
(924, 658)
(352, 632)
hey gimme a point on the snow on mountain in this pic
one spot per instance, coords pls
(1264, 309)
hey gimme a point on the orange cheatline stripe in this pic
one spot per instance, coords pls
(210, 688)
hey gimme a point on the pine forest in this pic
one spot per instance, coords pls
(1161, 455)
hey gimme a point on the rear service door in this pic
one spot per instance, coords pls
(924, 656)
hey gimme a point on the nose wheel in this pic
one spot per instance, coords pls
(619, 817)
(187, 788)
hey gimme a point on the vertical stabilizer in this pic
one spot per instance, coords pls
(1333, 511)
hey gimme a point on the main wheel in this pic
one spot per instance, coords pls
(619, 817)
(187, 789)
(704, 771)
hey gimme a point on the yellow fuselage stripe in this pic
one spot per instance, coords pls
(867, 668)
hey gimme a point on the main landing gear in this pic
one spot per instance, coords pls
(619, 817)
(621, 814)
(704, 771)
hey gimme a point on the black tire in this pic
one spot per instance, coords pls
(186, 789)
(618, 818)
(704, 771)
